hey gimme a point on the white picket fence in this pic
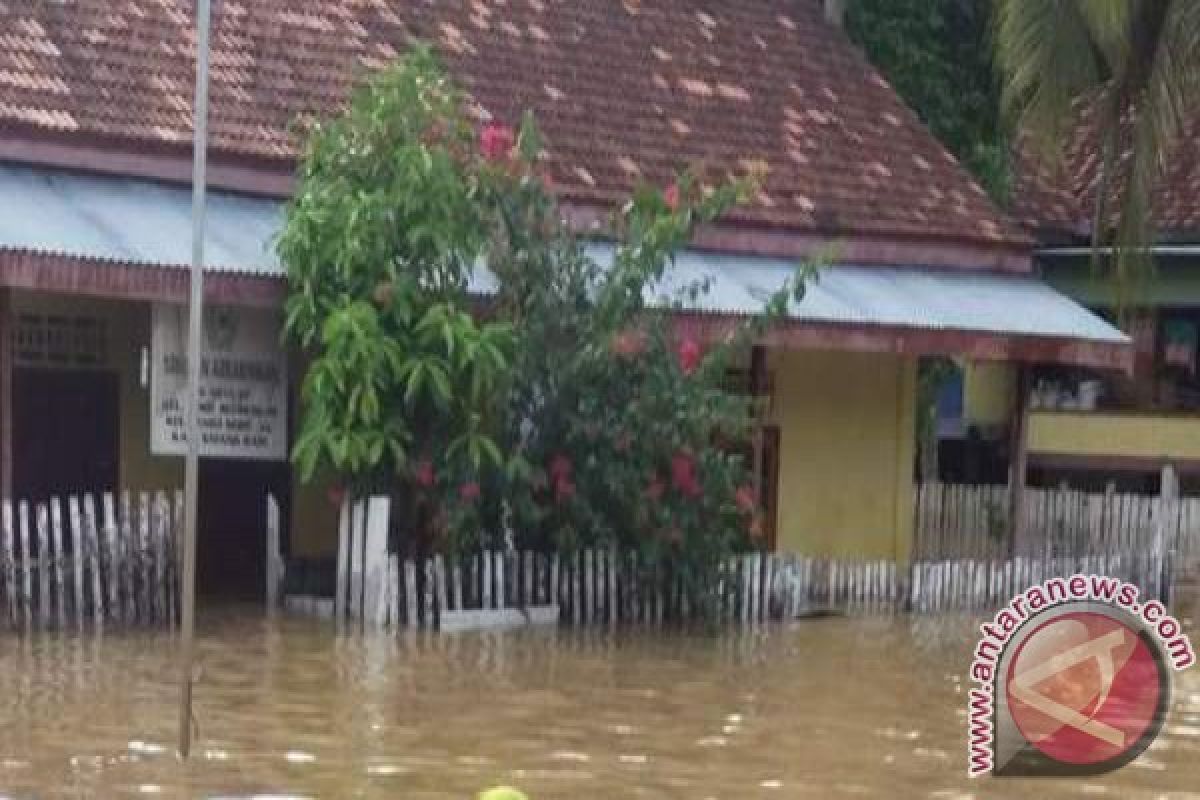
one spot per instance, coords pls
(76, 563)
(986, 584)
(375, 588)
(1143, 540)
(973, 522)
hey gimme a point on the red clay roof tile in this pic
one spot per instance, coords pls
(1059, 199)
(624, 91)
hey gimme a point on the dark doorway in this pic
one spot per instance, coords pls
(231, 540)
(66, 436)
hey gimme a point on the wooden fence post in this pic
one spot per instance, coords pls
(114, 557)
(342, 588)
(378, 512)
(43, 533)
(354, 603)
(275, 565)
(1166, 520)
(93, 553)
(10, 562)
(78, 550)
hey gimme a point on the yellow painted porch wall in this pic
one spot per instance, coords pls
(128, 327)
(847, 439)
(1131, 435)
(314, 519)
(989, 389)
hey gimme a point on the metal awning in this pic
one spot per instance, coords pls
(133, 221)
(67, 231)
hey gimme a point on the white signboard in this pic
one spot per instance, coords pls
(243, 384)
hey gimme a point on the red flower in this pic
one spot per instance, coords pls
(655, 489)
(683, 475)
(564, 490)
(671, 197)
(336, 495)
(746, 499)
(496, 142)
(469, 491)
(560, 467)
(629, 344)
(689, 355)
(424, 474)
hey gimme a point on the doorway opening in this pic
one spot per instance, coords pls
(231, 541)
(66, 436)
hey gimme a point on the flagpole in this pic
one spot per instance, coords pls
(195, 330)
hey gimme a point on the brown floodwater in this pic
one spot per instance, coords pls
(858, 707)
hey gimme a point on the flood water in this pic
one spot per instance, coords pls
(820, 708)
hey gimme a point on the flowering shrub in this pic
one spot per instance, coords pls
(564, 412)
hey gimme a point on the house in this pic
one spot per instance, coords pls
(1088, 428)
(95, 135)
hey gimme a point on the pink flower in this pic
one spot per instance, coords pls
(746, 499)
(683, 475)
(496, 142)
(560, 467)
(671, 197)
(469, 491)
(689, 355)
(424, 474)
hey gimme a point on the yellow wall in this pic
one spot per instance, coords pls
(1131, 435)
(314, 519)
(989, 389)
(847, 439)
(128, 328)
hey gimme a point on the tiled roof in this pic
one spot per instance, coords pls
(625, 90)
(1060, 199)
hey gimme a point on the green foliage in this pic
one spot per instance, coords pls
(380, 240)
(937, 54)
(568, 411)
(1137, 64)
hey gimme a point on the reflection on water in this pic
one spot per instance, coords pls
(822, 708)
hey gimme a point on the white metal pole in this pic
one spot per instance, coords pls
(195, 330)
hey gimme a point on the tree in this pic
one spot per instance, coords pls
(380, 241)
(1137, 63)
(937, 55)
(563, 410)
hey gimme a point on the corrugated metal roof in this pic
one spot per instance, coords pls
(134, 221)
(142, 222)
(905, 297)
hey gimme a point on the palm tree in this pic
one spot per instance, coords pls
(1137, 62)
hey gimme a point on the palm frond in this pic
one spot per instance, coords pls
(1136, 66)
(1050, 52)
(1156, 92)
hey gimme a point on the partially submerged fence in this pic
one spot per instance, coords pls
(376, 588)
(974, 522)
(75, 562)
